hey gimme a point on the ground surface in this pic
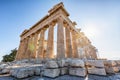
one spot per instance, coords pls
(66, 77)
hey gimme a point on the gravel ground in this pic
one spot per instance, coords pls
(66, 77)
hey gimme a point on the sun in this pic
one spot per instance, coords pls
(90, 30)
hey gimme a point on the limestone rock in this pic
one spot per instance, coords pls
(95, 63)
(24, 72)
(38, 61)
(118, 62)
(63, 71)
(37, 71)
(110, 63)
(78, 72)
(5, 70)
(51, 73)
(97, 71)
(77, 63)
(111, 70)
(19, 73)
(51, 64)
(2, 66)
(63, 62)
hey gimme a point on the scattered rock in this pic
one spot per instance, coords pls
(95, 63)
(97, 71)
(24, 72)
(110, 63)
(111, 70)
(63, 71)
(52, 73)
(51, 64)
(77, 63)
(78, 72)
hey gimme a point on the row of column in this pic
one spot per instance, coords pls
(86, 50)
(33, 46)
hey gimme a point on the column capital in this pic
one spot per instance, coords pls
(65, 24)
(52, 24)
(60, 19)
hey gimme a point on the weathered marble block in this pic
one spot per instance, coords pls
(63, 71)
(51, 64)
(117, 62)
(63, 62)
(78, 72)
(94, 63)
(97, 71)
(111, 70)
(77, 63)
(22, 73)
(110, 63)
(52, 73)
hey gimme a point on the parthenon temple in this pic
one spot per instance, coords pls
(70, 41)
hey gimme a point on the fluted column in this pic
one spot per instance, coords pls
(80, 47)
(22, 50)
(35, 44)
(26, 47)
(32, 47)
(93, 53)
(60, 39)
(74, 45)
(68, 42)
(87, 54)
(27, 54)
(19, 51)
(41, 45)
(50, 41)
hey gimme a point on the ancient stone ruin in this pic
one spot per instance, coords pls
(71, 42)
(74, 54)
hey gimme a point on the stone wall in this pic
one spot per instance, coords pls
(55, 68)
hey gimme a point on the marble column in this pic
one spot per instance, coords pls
(22, 50)
(41, 45)
(27, 54)
(50, 41)
(74, 45)
(93, 53)
(87, 54)
(68, 42)
(35, 44)
(19, 51)
(80, 48)
(32, 47)
(25, 48)
(60, 39)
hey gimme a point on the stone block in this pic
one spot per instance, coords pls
(110, 63)
(63, 71)
(2, 66)
(24, 72)
(51, 64)
(19, 73)
(111, 70)
(94, 63)
(5, 71)
(52, 73)
(63, 62)
(118, 62)
(78, 72)
(77, 63)
(97, 71)
(37, 71)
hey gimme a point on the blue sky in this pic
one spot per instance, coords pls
(99, 19)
